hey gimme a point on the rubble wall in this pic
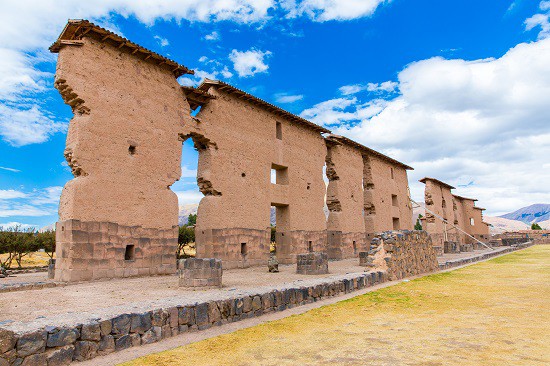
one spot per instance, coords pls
(403, 253)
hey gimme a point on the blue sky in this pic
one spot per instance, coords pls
(460, 90)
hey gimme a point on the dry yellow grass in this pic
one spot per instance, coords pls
(492, 313)
(34, 259)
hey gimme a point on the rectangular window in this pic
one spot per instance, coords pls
(472, 223)
(129, 253)
(310, 246)
(395, 223)
(394, 200)
(391, 172)
(279, 174)
(279, 131)
(354, 247)
(243, 249)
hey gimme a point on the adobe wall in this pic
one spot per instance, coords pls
(345, 223)
(123, 149)
(240, 170)
(383, 179)
(439, 199)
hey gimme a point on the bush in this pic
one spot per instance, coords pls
(535, 226)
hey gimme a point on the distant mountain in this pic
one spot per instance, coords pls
(535, 213)
(501, 225)
(185, 211)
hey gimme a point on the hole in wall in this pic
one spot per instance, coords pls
(310, 246)
(243, 175)
(132, 149)
(354, 247)
(279, 131)
(243, 249)
(129, 253)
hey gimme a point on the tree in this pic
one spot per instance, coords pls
(186, 236)
(535, 226)
(418, 225)
(192, 220)
(46, 240)
(273, 232)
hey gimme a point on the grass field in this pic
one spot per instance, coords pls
(492, 313)
(34, 259)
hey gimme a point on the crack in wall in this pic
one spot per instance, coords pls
(76, 169)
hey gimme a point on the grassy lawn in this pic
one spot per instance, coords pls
(492, 313)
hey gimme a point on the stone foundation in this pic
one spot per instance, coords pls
(403, 253)
(95, 250)
(292, 243)
(466, 247)
(364, 259)
(345, 245)
(236, 247)
(200, 273)
(314, 263)
(451, 247)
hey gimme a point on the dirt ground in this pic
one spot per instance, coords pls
(491, 313)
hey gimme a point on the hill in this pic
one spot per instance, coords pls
(535, 213)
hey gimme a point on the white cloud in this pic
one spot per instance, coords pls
(325, 10)
(14, 224)
(482, 121)
(6, 194)
(385, 87)
(540, 20)
(21, 127)
(162, 41)
(10, 169)
(189, 196)
(188, 173)
(249, 63)
(288, 98)
(214, 36)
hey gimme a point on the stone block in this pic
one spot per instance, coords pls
(121, 324)
(8, 340)
(60, 356)
(106, 344)
(313, 263)
(90, 332)
(200, 273)
(31, 343)
(62, 337)
(140, 323)
(85, 350)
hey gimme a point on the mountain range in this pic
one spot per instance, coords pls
(535, 213)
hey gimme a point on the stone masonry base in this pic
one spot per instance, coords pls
(94, 250)
(54, 346)
(314, 263)
(200, 273)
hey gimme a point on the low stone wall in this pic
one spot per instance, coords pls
(404, 253)
(463, 261)
(466, 247)
(55, 346)
(364, 259)
(514, 241)
(313, 263)
(451, 247)
(200, 273)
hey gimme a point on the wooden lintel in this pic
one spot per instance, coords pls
(104, 38)
(147, 58)
(122, 45)
(134, 51)
(64, 42)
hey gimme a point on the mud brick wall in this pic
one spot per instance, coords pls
(312, 263)
(403, 253)
(200, 273)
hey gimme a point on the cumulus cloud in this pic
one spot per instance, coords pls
(541, 20)
(288, 98)
(249, 63)
(481, 121)
(214, 36)
(325, 10)
(6, 194)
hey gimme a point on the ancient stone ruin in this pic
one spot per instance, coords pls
(452, 220)
(118, 217)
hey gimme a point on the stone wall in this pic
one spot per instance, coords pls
(200, 273)
(314, 263)
(403, 253)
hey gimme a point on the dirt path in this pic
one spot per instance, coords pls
(491, 313)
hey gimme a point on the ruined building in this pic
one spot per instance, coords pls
(451, 211)
(118, 216)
